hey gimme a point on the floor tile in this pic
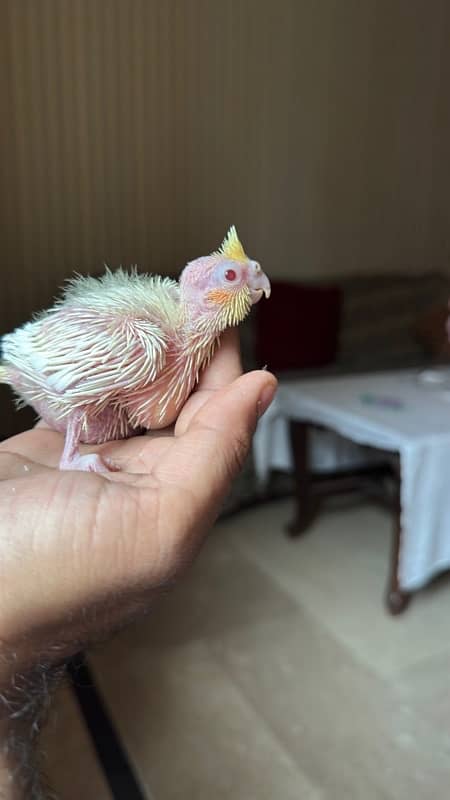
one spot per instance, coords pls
(338, 571)
(71, 762)
(349, 731)
(426, 686)
(189, 730)
(220, 592)
(272, 671)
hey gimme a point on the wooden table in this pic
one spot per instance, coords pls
(394, 413)
(312, 487)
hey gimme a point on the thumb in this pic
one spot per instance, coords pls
(233, 412)
(217, 439)
(208, 452)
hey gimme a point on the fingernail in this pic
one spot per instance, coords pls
(267, 395)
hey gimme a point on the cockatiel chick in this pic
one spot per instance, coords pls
(121, 354)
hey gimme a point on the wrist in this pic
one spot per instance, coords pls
(25, 699)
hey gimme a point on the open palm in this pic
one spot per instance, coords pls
(73, 542)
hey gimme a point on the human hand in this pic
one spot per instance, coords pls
(80, 552)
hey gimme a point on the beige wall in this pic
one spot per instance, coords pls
(138, 130)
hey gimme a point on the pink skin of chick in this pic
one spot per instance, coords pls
(121, 354)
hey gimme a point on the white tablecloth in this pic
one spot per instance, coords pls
(396, 411)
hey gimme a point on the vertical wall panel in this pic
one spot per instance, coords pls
(135, 131)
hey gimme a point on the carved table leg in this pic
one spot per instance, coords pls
(397, 599)
(299, 434)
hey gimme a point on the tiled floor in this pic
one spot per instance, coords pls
(71, 761)
(272, 671)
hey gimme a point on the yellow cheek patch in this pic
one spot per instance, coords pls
(234, 305)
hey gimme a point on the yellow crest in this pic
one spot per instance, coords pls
(231, 247)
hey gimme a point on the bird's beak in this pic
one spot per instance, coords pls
(257, 282)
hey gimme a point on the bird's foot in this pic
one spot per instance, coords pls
(91, 462)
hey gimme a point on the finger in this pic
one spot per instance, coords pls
(218, 437)
(190, 409)
(13, 466)
(226, 363)
(138, 455)
(224, 368)
(195, 475)
(38, 444)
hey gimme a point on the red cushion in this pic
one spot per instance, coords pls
(298, 326)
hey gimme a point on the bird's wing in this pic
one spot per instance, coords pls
(100, 355)
(80, 357)
(96, 343)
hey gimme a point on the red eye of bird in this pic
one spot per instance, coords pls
(230, 275)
